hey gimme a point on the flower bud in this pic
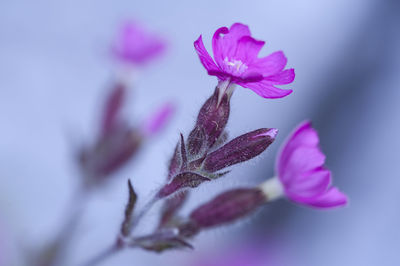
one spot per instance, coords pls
(227, 207)
(112, 108)
(197, 141)
(240, 149)
(109, 154)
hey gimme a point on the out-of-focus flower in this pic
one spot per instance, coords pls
(135, 45)
(118, 141)
(158, 120)
(236, 62)
(301, 174)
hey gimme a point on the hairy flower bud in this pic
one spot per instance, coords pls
(240, 149)
(197, 141)
(227, 207)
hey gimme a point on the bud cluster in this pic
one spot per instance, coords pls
(204, 155)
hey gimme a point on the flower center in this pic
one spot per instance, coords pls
(235, 66)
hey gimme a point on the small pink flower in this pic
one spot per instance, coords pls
(158, 120)
(135, 45)
(236, 60)
(300, 169)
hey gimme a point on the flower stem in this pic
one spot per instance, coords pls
(143, 211)
(272, 188)
(61, 243)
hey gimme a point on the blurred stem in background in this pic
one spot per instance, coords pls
(117, 141)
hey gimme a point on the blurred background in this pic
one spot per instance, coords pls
(55, 71)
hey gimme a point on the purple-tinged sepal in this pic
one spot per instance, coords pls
(240, 149)
(160, 241)
(197, 142)
(126, 224)
(180, 182)
(175, 163)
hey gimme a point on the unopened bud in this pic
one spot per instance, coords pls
(112, 108)
(240, 149)
(227, 207)
(110, 153)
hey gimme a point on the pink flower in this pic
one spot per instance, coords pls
(134, 45)
(236, 60)
(158, 120)
(300, 169)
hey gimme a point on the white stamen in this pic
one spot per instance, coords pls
(235, 66)
(272, 188)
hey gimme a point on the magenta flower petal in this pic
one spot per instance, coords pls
(271, 64)
(218, 45)
(303, 136)
(205, 58)
(283, 77)
(236, 60)
(248, 48)
(158, 120)
(135, 45)
(300, 169)
(330, 199)
(265, 89)
(225, 46)
(310, 183)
